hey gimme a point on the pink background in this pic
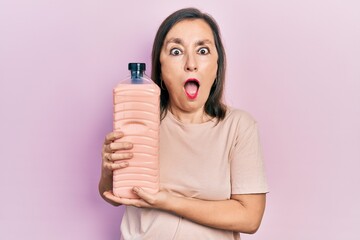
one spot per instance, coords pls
(295, 65)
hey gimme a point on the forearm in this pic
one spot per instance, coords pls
(227, 214)
(241, 213)
(106, 184)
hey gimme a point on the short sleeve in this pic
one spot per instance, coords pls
(246, 161)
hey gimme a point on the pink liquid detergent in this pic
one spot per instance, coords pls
(137, 114)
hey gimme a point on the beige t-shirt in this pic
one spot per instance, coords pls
(206, 161)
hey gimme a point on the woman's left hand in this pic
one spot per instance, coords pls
(158, 200)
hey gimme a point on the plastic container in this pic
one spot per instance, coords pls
(137, 115)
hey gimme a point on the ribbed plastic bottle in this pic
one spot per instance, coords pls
(137, 115)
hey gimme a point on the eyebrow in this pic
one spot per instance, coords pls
(180, 41)
(203, 42)
(174, 40)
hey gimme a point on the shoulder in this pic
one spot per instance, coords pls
(239, 116)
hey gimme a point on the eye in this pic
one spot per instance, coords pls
(204, 51)
(175, 51)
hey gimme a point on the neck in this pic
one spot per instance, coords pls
(198, 116)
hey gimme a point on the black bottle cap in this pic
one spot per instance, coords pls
(137, 67)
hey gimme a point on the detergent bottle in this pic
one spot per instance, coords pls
(137, 115)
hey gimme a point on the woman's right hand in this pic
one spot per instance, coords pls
(112, 152)
(114, 156)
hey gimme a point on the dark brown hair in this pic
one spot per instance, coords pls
(214, 105)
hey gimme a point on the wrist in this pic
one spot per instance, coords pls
(173, 202)
(106, 174)
(106, 182)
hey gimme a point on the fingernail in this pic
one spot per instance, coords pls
(129, 145)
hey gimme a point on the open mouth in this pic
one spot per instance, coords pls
(191, 88)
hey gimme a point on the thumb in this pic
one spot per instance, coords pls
(147, 197)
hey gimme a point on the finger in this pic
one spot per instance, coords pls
(125, 201)
(107, 156)
(117, 156)
(118, 146)
(121, 156)
(111, 197)
(115, 166)
(147, 197)
(110, 137)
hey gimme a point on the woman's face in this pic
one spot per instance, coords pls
(189, 64)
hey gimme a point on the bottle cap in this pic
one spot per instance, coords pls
(137, 66)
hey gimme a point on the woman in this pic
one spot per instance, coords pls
(211, 172)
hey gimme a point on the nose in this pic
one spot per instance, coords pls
(191, 63)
